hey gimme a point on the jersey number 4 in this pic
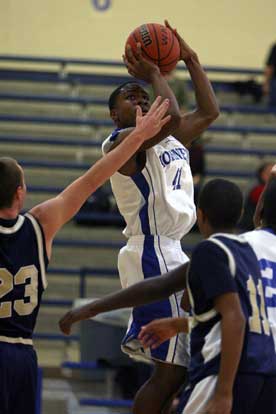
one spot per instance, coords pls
(176, 181)
(258, 322)
(8, 282)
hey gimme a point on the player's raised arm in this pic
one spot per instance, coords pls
(142, 293)
(54, 213)
(145, 70)
(194, 123)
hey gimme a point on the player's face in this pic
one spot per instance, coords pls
(130, 97)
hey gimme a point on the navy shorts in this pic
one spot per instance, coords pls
(18, 378)
(252, 394)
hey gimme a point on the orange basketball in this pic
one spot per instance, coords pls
(159, 44)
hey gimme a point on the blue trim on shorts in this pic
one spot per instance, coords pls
(150, 267)
(175, 298)
(143, 186)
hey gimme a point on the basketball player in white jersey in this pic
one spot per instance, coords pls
(154, 193)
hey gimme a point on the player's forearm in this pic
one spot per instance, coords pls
(232, 337)
(180, 325)
(77, 193)
(205, 96)
(161, 88)
(142, 293)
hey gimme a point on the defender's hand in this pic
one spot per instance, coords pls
(156, 332)
(151, 123)
(138, 66)
(186, 53)
(65, 323)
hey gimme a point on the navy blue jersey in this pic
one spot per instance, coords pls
(23, 262)
(223, 264)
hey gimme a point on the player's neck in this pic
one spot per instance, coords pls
(224, 230)
(9, 213)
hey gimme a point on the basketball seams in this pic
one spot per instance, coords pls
(157, 42)
(171, 47)
(168, 64)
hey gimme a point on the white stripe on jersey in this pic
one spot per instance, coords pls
(231, 260)
(18, 340)
(39, 240)
(14, 228)
(212, 343)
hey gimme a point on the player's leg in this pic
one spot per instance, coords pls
(25, 392)
(154, 396)
(5, 377)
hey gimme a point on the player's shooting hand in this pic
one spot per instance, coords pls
(219, 404)
(138, 66)
(186, 53)
(156, 332)
(152, 122)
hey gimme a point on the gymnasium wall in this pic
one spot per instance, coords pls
(228, 33)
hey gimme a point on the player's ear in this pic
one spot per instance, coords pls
(200, 215)
(114, 115)
(201, 219)
(20, 194)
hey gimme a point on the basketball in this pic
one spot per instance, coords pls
(159, 44)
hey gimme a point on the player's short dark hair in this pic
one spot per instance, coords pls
(221, 201)
(10, 179)
(269, 207)
(113, 97)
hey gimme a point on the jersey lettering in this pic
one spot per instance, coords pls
(176, 181)
(258, 322)
(21, 306)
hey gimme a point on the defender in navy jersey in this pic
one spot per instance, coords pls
(154, 193)
(25, 247)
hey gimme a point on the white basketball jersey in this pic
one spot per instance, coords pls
(263, 242)
(159, 200)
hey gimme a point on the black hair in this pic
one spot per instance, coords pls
(261, 169)
(269, 206)
(10, 179)
(113, 97)
(221, 201)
